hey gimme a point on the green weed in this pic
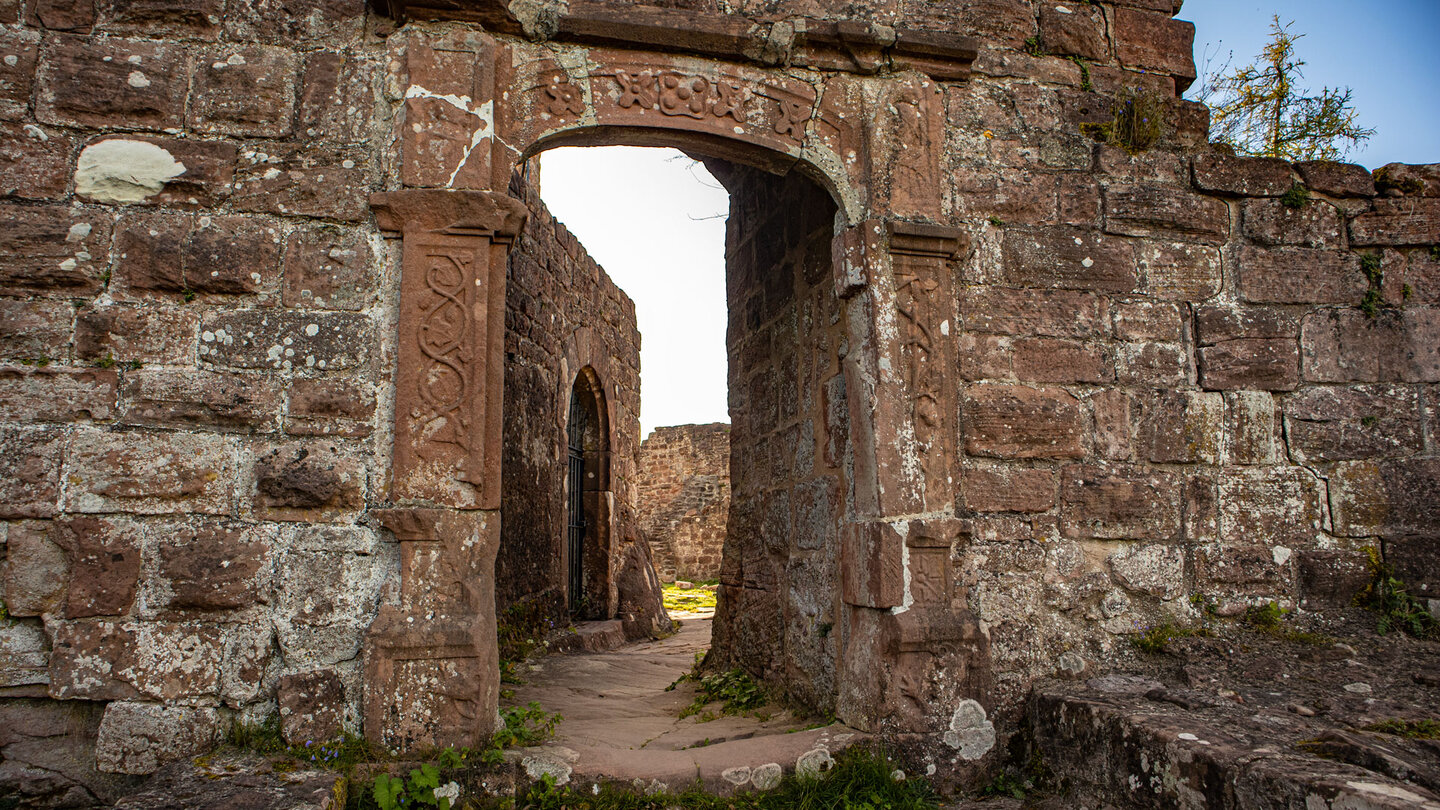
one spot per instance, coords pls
(1395, 608)
(1153, 640)
(735, 690)
(1410, 729)
(1135, 125)
(1296, 197)
(1032, 46)
(1374, 299)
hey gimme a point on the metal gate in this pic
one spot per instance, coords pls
(575, 556)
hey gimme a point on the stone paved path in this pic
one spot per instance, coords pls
(621, 724)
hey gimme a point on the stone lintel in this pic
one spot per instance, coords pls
(925, 239)
(454, 213)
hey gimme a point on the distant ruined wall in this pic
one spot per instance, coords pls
(1002, 394)
(684, 496)
(562, 313)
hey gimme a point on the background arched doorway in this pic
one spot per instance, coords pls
(587, 496)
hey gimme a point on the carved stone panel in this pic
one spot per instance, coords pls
(449, 384)
(914, 326)
(431, 662)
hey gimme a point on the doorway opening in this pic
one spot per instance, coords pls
(779, 616)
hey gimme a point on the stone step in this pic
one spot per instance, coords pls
(722, 768)
(590, 637)
(1112, 741)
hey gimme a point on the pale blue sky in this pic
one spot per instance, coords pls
(648, 215)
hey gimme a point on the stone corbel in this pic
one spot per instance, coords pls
(450, 381)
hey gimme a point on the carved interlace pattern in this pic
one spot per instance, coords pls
(442, 340)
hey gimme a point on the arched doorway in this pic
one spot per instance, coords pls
(586, 551)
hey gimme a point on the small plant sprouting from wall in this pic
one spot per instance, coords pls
(1394, 606)
(1375, 274)
(1296, 198)
(1137, 123)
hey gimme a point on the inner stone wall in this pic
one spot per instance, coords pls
(778, 596)
(563, 314)
(684, 496)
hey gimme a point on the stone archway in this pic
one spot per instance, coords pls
(476, 104)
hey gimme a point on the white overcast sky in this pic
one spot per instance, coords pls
(655, 220)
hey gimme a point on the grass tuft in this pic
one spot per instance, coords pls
(1394, 606)
(1153, 640)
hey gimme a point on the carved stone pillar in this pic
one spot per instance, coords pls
(431, 671)
(448, 390)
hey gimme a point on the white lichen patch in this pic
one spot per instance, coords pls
(124, 171)
(971, 732)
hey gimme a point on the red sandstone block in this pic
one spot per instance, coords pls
(1347, 346)
(52, 251)
(150, 249)
(209, 172)
(215, 567)
(1052, 360)
(36, 569)
(1079, 201)
(1256, 364)
(1004, 22)
(1153, 167)
(1147, 321)
(1217, 324)
(19, 51)
(1164, 365)
(1023, 198)
(1416, 561)
(1112, 410)
(1069, 258)
(149, 473)
(1073, 29)
(1350, 423)
(1163, 6)
(232, 255)
(9, 11)
(1300, 276)
(162, 19)
(1013, 421)
(336, 98)
(1219, 173)
(303, 181)
(312, 706)
(1270, 506)
(332, 408)
(1421, 275)
(34, 162)
(1179, 271)
(1148, 210)
(30, 394)
(309, 482)
(1156, 42)
(1390, 498)
(144, 334)
(281, 340)
(1410, 180)
(1116, 82)
(1336, 179)
(1399, 221)
(113, 83)
(1049, 313)
(1316, 224)
(118, 661)
(1254, 428)
(1004, 489)
(329, 268)
(1179, 427)
(1242, 570)
(286, 23)
(1119, 503)
(201, 399)
(30, 471)
(76, 16)
(31, 330)
(244, 91)
(105, 565)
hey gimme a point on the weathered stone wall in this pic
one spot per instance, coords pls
(778, 594)
(1149, 375)
(196, 348)
(684, 492)
(563, 314)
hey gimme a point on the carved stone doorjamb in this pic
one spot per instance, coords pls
(431, 670)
